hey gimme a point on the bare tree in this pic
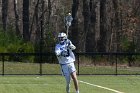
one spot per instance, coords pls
(74, 31)
(26, 34)
(4, 13)
(42, 26)
(86, 15)
(87, 23)
(90, 38)
(16, 18)
(103, 29)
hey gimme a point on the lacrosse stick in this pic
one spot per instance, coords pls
(68, 20)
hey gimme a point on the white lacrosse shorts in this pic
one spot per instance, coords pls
(67, 69)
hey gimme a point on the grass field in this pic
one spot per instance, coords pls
(56, 84)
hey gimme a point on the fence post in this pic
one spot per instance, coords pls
(40, 64)
(116, 65)
(2, 64)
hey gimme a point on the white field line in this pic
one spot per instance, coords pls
(116, 91)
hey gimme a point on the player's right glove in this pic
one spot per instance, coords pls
(72, 47)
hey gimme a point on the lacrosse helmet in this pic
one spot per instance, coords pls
(62, 37)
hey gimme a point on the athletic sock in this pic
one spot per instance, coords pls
(77, 91)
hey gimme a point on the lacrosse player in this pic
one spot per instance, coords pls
(66, 58)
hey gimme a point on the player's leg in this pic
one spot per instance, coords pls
(68, 79)
(75, 81)
(66, 74)
(72, 70)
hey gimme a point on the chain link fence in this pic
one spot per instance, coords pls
(86, 64)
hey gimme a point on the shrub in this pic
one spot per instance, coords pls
(10, 43)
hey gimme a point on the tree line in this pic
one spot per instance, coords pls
(97, 26)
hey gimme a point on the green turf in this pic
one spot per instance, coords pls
(126, 84)
(56, 84)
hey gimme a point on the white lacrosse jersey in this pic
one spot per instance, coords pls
(69, 58)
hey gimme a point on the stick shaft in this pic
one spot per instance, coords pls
(67, 30)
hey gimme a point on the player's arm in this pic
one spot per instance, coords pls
(70, 45)
(57, 51)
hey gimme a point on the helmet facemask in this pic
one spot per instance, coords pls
(62, 37)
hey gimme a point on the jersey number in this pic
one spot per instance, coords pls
(68, 53)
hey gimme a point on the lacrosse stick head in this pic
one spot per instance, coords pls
(68, 19)
(69, 14)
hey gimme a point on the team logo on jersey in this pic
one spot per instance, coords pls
(62, 48)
